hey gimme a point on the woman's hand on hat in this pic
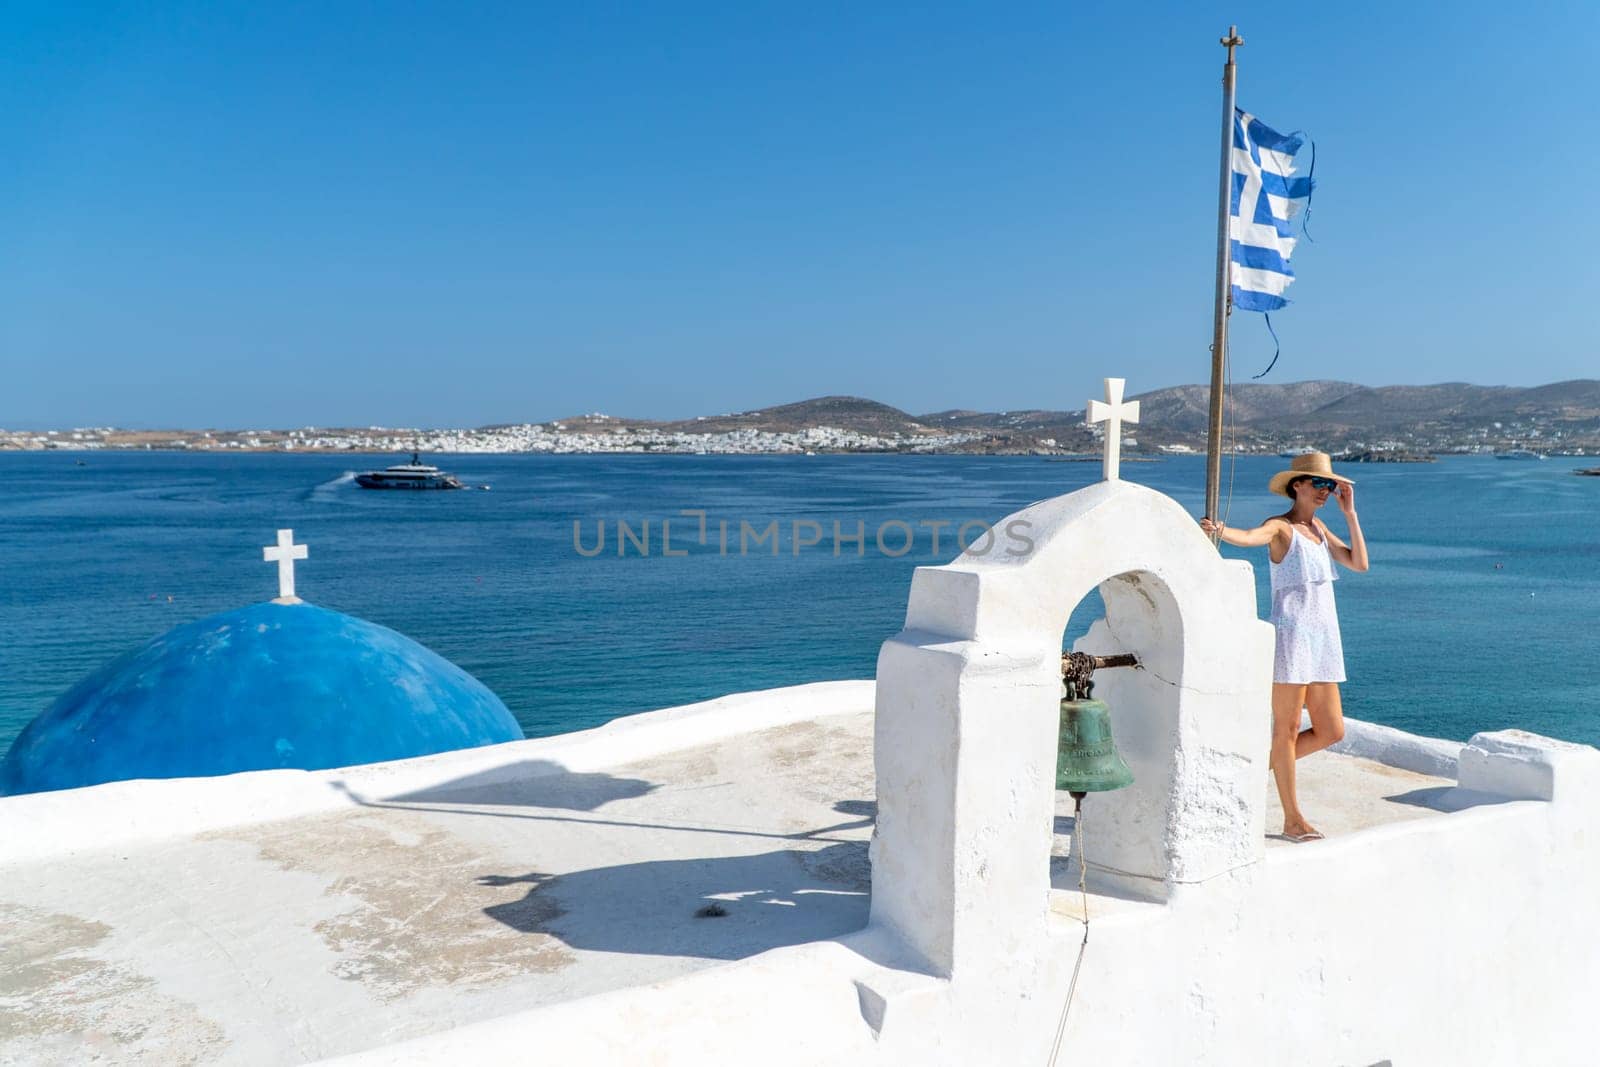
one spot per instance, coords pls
(1346, 494)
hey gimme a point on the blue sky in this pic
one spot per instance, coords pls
(446, 214)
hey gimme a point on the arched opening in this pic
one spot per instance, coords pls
(1138, 615)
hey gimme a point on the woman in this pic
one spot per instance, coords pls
(1309, 661)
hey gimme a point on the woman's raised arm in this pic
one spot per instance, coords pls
(1353, 555)
(1253, 538)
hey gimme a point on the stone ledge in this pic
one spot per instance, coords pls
(1526, 766)
(1396, 748)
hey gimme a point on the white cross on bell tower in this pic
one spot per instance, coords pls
(285, 552)
(1113, 412)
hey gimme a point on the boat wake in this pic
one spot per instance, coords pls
(329, 489)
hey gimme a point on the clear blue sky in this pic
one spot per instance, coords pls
(445, 214)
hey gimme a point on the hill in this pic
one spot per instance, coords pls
(839, 412)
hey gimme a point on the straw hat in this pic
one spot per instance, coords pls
(1307, 465)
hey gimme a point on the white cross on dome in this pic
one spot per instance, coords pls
(285, 552)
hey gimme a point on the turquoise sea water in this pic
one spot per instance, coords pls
(1479, 611)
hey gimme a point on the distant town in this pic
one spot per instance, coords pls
(1389, 423)
(586, 434)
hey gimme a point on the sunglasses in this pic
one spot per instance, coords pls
(1324, 483)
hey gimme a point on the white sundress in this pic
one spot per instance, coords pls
(1308, 645)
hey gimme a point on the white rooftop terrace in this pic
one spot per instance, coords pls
(312, 915)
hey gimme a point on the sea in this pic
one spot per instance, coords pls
(1479, 611)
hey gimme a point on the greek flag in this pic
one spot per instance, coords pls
(1266, 196)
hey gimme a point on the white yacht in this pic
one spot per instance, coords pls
(413, 475)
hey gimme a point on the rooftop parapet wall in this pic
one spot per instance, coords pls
(1522, 766)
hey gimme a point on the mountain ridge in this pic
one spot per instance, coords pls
(1326, 412)
(1318, 404)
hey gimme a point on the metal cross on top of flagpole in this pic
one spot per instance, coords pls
(1219, 324)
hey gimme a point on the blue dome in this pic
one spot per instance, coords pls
(267, 686)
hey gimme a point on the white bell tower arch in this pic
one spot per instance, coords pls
(967, 708)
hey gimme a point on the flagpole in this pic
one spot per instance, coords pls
(1219, 325)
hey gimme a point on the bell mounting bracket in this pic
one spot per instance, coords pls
(1077, 671)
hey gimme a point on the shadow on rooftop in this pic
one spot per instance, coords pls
(656, 908)
(560, 789)
(866, 809)
(531, 784)
(1446, 798)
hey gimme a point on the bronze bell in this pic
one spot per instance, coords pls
(1087, 760)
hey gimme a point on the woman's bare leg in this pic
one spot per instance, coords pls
(1327, 719)
(1287, 700)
